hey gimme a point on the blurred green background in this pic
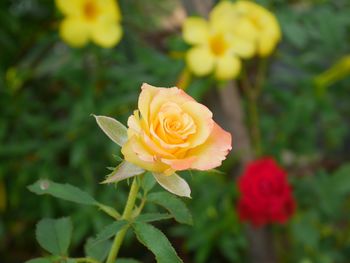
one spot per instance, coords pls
(48, 91)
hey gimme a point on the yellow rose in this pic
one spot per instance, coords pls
(85, 20)
(171, 132)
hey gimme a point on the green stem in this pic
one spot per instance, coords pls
(118, 240)
(252, 94)
(85, 260)
(254, 124)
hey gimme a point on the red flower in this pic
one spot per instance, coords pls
(266, 197)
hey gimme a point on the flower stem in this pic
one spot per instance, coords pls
(118, 240)
(86, 260)
(254, 124)
(252, 93)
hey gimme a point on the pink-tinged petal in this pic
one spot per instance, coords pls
(213, 151)
(180, 164)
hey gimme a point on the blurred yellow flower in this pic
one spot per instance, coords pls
(85, 20)
(249, 21)
(214, 49)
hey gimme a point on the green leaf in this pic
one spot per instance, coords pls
(173, 204)
(97, 250)
(127, 260)
(174, 184)
(150, 217)
(54, 235)
(340, 181)
(109, 231)
(69, 193)
(116, 131)
(39, 260)
(123, 171)
(64, 191)
(157, 242)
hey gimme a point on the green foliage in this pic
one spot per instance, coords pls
(108, 232)
(157, 242)
(97, 250)
(54, 235)
(63, 191)
(69, 193)
(150, 217)
(174, 206)
(39, 260)
(48, 92)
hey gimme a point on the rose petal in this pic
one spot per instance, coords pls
(213, 151)
(180, 164)
(141, 157)
(202, 117)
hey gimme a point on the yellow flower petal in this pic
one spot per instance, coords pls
(70, 7)
(195, 30)
(200, 60)
(110, 9)
(106, 33)
(227, 67)
(223, 17)
(74, 31)
(243, 48)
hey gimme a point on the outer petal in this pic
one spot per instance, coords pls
(195, 30)
(106, 33)
(213, 151)
(200, 60)
(132, 151)
(74, 31)
(227, 67)
(70, 7)
(145, 98)
(180, 164)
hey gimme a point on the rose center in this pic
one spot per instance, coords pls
(174, 126)
(90, 10)
(218, 44)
